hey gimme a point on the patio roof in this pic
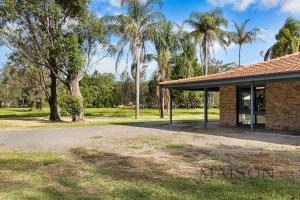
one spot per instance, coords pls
(278, 69)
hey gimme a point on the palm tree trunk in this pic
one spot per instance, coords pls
(206, 58)
(201, 61)
(137, 82)
(240, 50)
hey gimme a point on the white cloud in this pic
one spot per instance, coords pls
(107, 65)
(106, 7)
(291, 6)
(113, 3)
(287, 6)
(239, 5)
(269, 3)
(217, 47)
(243, 4)
(265, 34)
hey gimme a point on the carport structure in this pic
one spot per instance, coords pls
(266, 93)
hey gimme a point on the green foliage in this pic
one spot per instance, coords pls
(185, 66)
(75, 8)
(74, 56)
(99, 90)
(287, 40)
(37, 30)
(20, 87)
(138, 26)
(206, 31)
(70, 104)
(103, 90)
(126, 88)
(242, 37)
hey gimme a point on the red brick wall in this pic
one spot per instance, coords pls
(283, 106)
(228, 105)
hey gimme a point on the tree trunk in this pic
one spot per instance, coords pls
(137, 81)
(39, 104)
(54, 115)
(75, 91)
(167, 101)
(206, 59)
(240, 49)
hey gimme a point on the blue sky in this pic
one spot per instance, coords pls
(268, 15)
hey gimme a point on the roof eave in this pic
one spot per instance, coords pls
(235, 80)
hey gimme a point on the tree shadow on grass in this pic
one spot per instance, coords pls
(146, 179)
(43, 176)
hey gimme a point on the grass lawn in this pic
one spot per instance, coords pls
(80, 175)
(99, 112)
(26, 118)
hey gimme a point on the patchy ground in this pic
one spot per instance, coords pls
(148, 161)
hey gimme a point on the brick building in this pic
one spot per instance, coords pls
(266, 94)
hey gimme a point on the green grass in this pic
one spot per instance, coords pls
(135, 146)
(177, 145)
(99, 112)
(22, 113)
(25, 118)
(48, 175)
(148, 152)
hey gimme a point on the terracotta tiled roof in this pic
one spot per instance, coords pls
(285, 64)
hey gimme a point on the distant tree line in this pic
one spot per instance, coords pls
(19, 88)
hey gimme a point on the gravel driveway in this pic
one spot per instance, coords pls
(115, 136)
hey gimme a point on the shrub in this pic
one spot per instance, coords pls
(70, 104)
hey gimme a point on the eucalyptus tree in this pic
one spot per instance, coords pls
(241, 36)
(287, 40)
(35, 30)
(86, 44)
(33, 84)
(138, 26)
(57, 36)
(207, 31)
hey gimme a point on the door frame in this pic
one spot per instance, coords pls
(238, 105)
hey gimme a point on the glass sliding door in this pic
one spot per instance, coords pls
(244, 105)
(260, 106)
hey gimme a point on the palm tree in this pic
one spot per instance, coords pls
(287, 40)
(207, 31)
(241, 37)
(140, 25)
(164, 43)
